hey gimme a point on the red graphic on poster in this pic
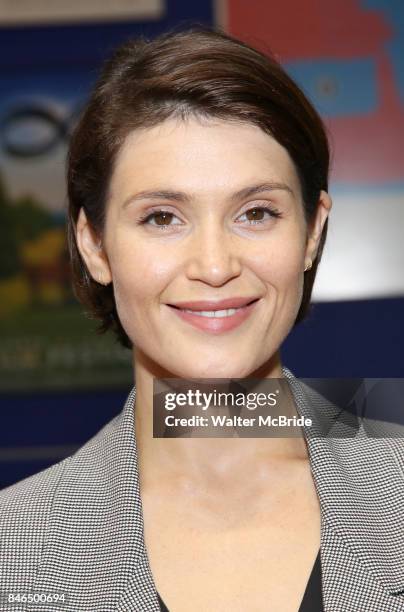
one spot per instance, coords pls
(366, 147)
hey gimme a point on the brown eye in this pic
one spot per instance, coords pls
(162, 217)
(256, 214)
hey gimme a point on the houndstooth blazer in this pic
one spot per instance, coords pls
(77, 527)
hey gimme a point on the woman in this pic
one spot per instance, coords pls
(197, 181)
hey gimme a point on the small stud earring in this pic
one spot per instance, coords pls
(309, 265)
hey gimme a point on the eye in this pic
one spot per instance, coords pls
(258, 214)
(163, 218)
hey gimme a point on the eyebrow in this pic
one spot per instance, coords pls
(180, 196)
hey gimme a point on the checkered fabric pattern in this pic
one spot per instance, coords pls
(77, 527)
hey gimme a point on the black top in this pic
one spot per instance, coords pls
(312, 599)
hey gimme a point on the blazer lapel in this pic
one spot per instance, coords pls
(360, 488)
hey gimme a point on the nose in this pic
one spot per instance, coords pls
(214, 256)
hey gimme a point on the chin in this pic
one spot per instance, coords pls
(214, 371)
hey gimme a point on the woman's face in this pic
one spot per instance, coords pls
(234, 227)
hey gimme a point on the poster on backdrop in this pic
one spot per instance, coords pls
(349, 64)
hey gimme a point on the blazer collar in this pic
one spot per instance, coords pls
(97, 509)
(359, 484)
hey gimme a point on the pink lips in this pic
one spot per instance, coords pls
(216, 325)
(233, 302)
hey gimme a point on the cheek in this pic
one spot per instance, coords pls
(139, 275)
(133, 285)
(280, 264)
(281, 270)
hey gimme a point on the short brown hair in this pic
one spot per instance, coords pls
(201, 72)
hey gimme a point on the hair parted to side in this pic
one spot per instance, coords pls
(197, 72)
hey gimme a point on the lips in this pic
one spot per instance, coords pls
(213, 324)
(209, 305)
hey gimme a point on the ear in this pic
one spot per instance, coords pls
(91, 251)
(316, 227)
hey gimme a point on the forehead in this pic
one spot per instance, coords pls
(201, 155)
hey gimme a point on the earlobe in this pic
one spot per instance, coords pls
(91, 251)
(323, 209)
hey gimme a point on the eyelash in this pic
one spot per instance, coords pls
(272, 211)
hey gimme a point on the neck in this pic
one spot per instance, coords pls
(207, 462)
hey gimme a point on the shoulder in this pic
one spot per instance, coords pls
(32, 492)
(34, 489)
(26, 507)
(24, 511)
(23, 500)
